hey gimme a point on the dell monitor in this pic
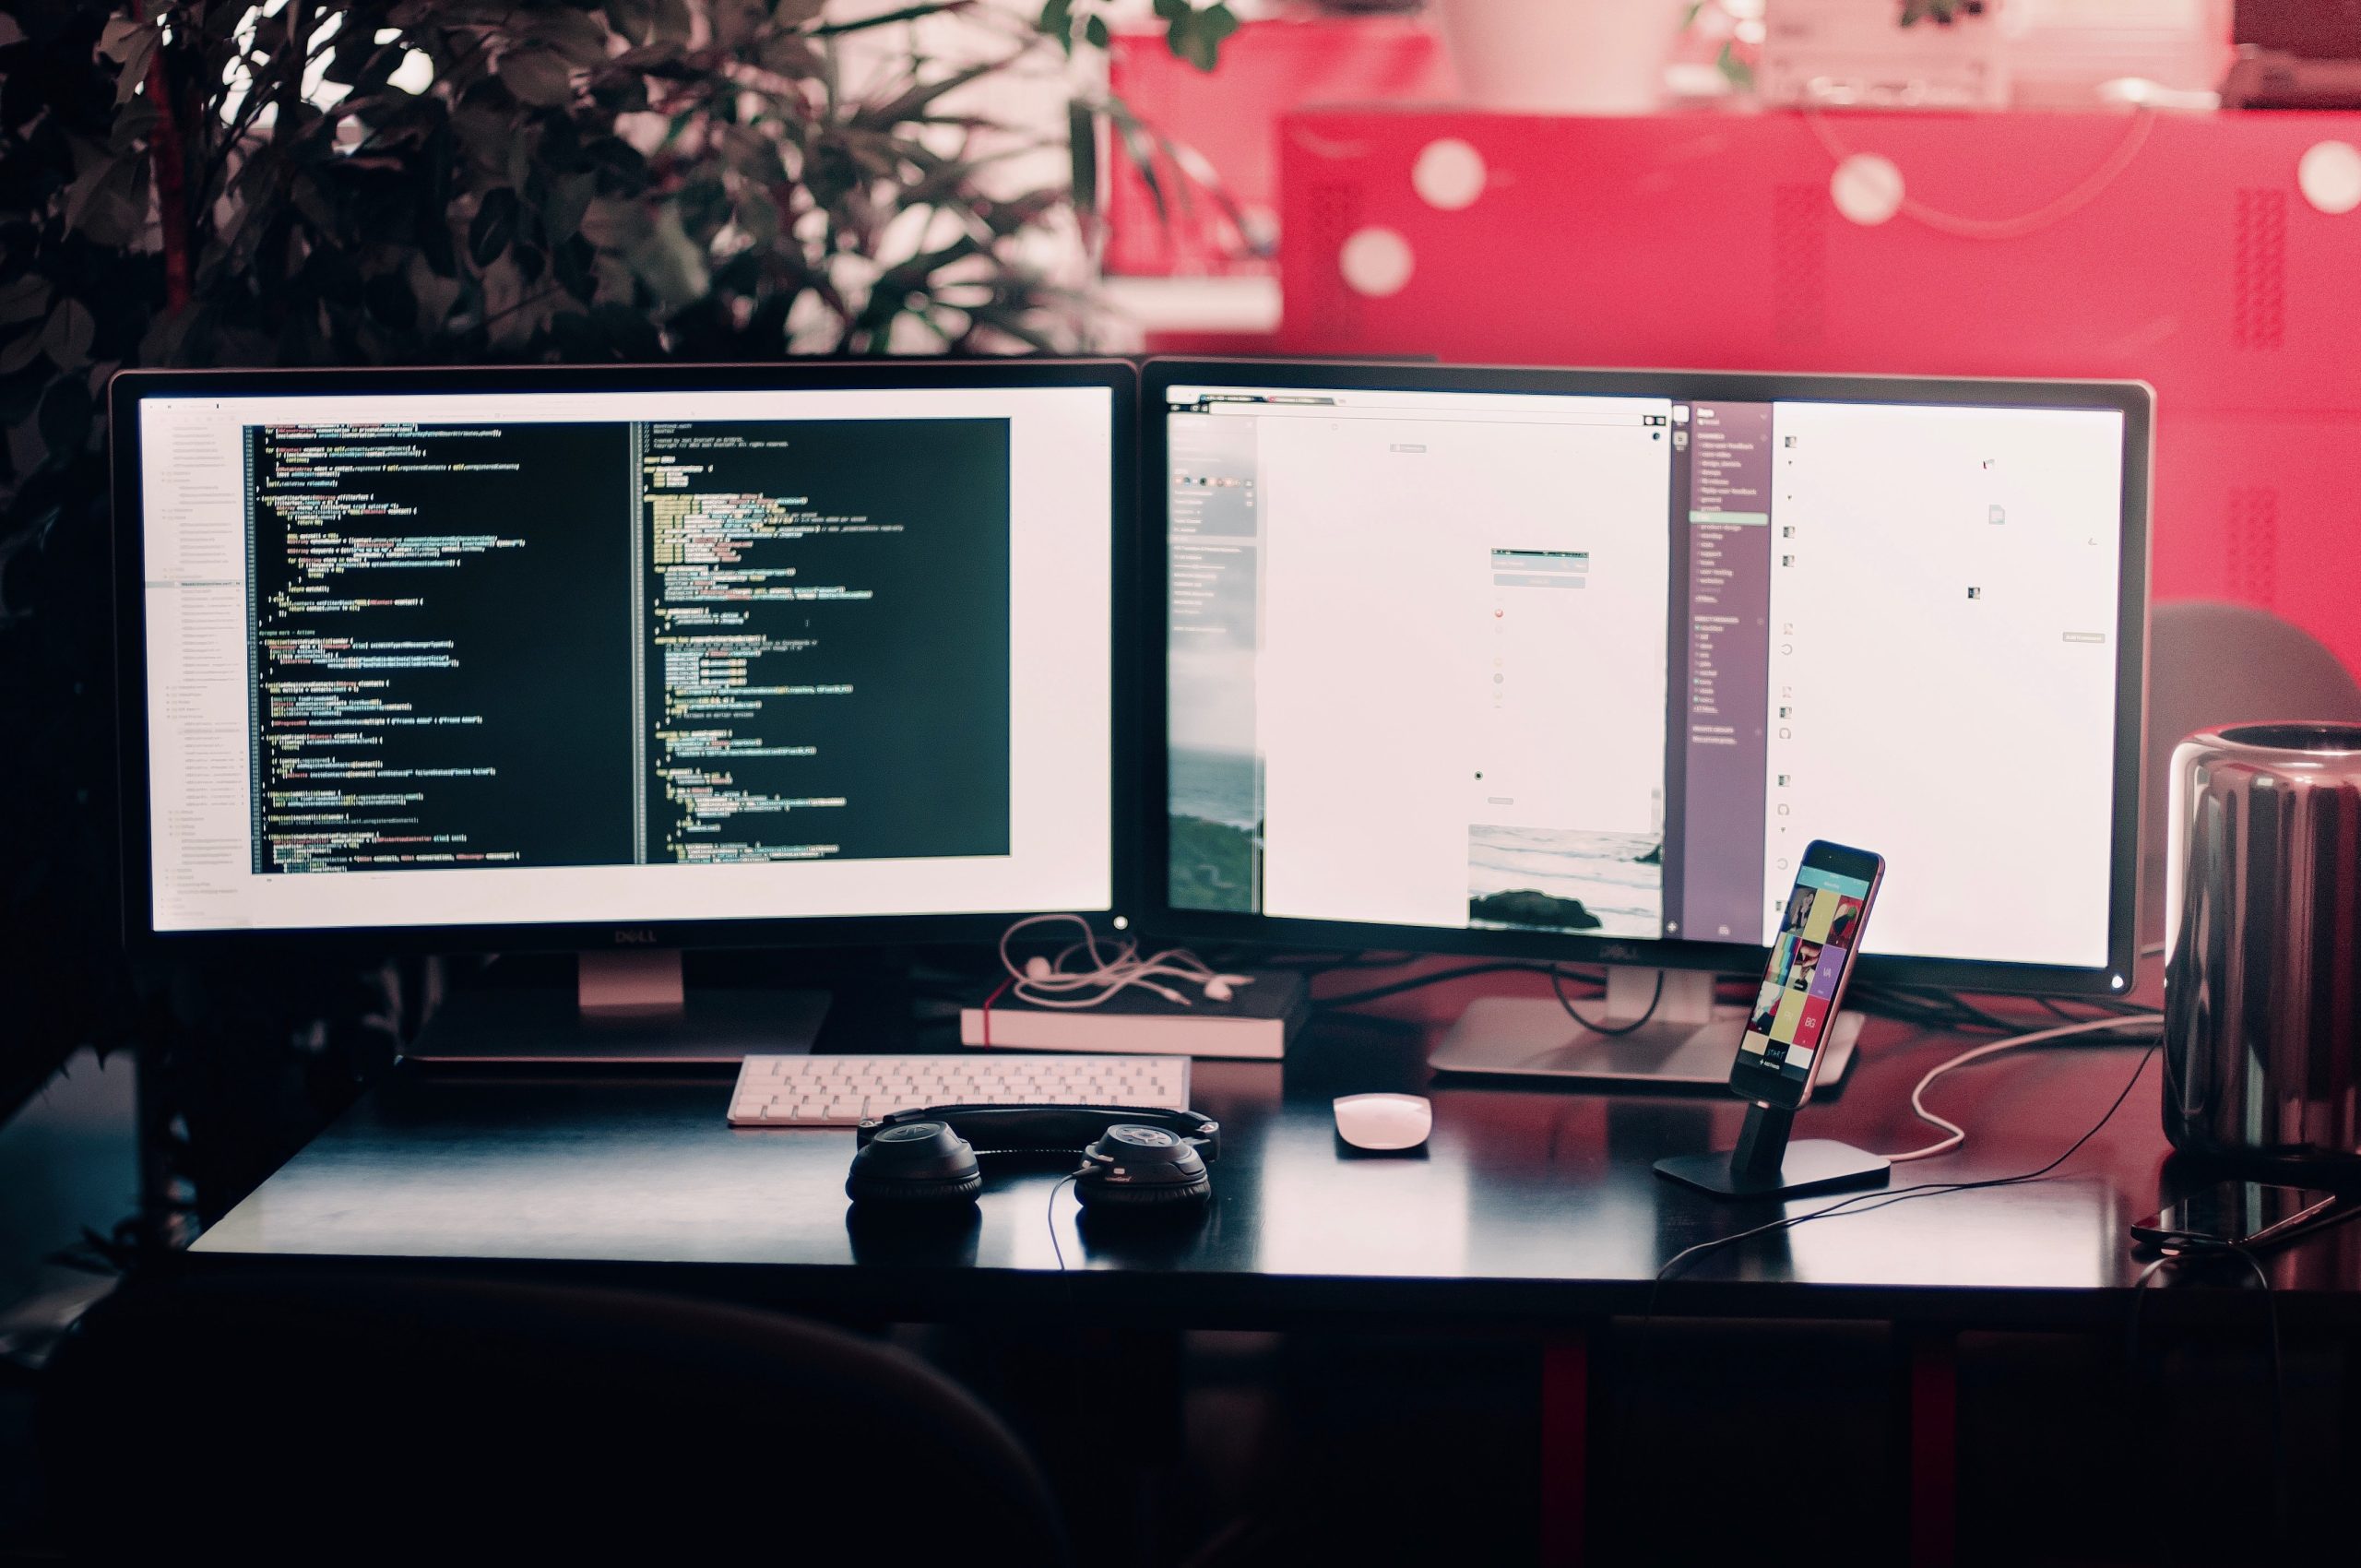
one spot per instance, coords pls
(1573, 664)
(619, 660)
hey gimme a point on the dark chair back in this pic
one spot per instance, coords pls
(382, 1416)
(2211, 664)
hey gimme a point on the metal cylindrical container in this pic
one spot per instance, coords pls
(2262, 933)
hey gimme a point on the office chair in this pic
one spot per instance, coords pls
(2211, 664)
(379, 1415)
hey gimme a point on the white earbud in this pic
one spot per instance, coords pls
(1044, 981)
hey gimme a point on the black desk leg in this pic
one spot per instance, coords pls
(1565, 1448)
(1933, 1416)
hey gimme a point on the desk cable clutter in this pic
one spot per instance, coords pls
(1111, 997)
(1765, 1164)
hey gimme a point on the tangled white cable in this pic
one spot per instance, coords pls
(1957, 1135)
(1042, 981)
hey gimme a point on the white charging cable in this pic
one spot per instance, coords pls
(1956, 1134)
(1043, 982)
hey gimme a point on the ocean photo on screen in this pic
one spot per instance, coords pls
(1216, 816)
(1563, 879)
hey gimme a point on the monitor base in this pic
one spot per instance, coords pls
(631, 1011)
(1526, 1038)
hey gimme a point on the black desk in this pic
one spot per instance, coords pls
(1533, 1211)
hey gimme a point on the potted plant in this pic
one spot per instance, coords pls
(289, 181)
(1562, 56)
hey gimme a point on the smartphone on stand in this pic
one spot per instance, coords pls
(1812, 954)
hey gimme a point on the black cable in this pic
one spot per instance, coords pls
(1845, 1206)
(1313, 963)
(1943, 1010)
(1418, 982)
(1557, 984)
(1960, 1007)
(1059, 1252)
(1916, 1190)
(2138, 1294)
(1952, 1012)
(1910, 1008)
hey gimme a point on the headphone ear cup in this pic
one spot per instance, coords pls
(902, 1193)
(1094, 1191)
(918, 1164)
(1135, 1167)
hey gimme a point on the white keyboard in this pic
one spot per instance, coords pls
(839, 1091)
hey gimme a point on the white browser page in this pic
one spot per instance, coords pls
(1462, 630)
(1943, 657)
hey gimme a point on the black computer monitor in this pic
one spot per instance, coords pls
(1573, 664)
(620, 660)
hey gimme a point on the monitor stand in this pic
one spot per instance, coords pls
(1687, 1043)
(625, 1007)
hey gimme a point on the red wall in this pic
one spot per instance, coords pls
(1226, 117)
(1711, 241)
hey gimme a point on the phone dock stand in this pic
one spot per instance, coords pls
(1766, 1165)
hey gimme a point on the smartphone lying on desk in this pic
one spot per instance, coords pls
(1811, 959)
(2235, 1213)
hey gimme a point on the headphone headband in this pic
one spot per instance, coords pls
(1063, 1129)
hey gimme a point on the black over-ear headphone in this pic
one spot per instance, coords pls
(1131, 1156)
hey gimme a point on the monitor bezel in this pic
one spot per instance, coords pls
(129, 388)
(2134, 401)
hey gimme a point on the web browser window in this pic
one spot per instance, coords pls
(1605, 664)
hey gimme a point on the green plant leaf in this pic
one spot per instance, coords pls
(633, 20)
(536, 76)
(576, 37)
(1199, 40)
(886, 19)
(20, 352)
(913, 104)
(675, 23)
(494, 227)
(26, 299)
(135, 63)
(1139, 147)
(67, 337)
(1056, 21)
(789, 54)
(568, 200)
(669, 262)
(1082, 139)
(104, 203)
(122, 35)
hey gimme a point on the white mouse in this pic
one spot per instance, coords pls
(1384, 1121)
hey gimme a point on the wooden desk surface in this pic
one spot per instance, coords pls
(1529, 1206)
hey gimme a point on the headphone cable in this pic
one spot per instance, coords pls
(1056, 1250)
